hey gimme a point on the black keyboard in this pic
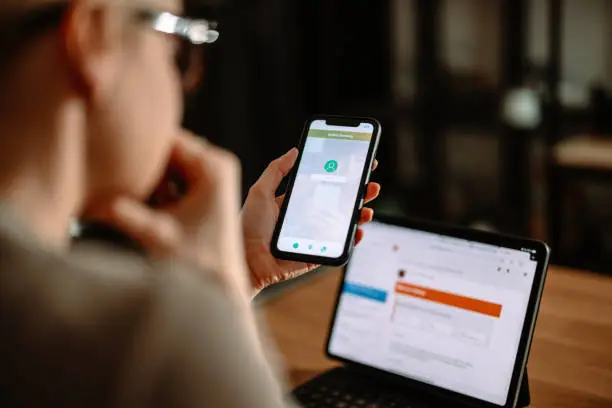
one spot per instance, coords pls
(340, 389)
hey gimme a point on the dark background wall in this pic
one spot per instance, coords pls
(437, 74)
(280, 61)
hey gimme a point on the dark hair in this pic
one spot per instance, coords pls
(19, 30)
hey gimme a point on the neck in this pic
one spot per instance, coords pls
(40, 179)
(41, 209)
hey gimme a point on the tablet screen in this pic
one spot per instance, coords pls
(444, 311)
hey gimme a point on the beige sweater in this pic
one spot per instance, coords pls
(101, 328)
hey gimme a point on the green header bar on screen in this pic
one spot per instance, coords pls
(337, 135)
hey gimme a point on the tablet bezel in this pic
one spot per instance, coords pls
(542, 257)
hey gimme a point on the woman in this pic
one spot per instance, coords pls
(90, 114)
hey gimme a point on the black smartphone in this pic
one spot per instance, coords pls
(321, 211)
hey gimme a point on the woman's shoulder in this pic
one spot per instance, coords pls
(79, 318)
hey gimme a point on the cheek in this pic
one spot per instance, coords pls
(159, 103)
(164, 113)
(165, 110)
(137, 130)
(160, 89)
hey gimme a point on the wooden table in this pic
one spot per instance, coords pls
(571, 358)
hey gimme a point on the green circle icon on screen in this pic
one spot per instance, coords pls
(331, 166)
(324, 249)
(296, 245)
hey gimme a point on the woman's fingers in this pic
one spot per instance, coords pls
(358, 236)
(275, 173)
(280, 200)
(155, 231)
(367, 215)
(372, 192)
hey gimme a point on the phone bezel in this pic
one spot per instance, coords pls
(541, 253)
(365, 178)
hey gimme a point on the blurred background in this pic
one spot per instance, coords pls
(496, 114)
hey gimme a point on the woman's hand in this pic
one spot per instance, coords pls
(259, 216)
(202, 227)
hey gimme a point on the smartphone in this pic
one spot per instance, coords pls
(325, 194)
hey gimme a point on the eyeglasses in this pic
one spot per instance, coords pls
(14, 37)
(193, 34)
(195, 31)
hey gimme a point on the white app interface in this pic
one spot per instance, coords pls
(328, 179)
(440, 310)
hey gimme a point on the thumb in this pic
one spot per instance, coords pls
(277, 171)
(155, 231)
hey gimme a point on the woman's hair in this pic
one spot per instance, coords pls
(19, 6)
(21, 25)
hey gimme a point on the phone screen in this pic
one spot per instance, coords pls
(327, 183)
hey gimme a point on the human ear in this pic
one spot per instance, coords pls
(92, 40)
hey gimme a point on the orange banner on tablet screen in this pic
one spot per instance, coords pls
(449, 299)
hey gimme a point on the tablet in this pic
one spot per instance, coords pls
(445, 309)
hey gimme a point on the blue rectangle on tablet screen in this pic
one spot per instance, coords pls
(367, 292)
